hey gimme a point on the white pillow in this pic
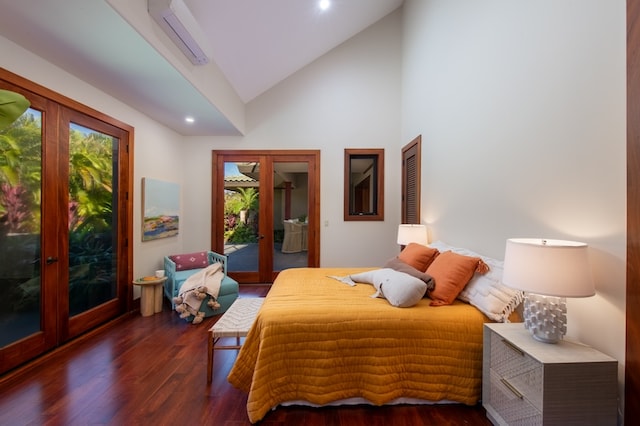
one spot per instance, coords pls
(486, 291)
(399, 288)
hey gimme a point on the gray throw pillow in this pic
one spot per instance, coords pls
(398, 265)
(399, 288)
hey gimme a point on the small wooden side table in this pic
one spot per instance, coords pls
(150, 295)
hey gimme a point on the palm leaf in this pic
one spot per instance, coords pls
(12, 106)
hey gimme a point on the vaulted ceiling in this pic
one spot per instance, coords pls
(254, 44)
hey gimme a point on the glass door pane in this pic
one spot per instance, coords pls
(20, 201)
(241, 209)
(290, 214)
(93, 206)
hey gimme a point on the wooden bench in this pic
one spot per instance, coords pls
(235, 322)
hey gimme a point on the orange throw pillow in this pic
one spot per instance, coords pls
(451, 272)
(418, 256)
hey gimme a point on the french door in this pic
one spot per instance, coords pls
(64, 183)
(265, 212)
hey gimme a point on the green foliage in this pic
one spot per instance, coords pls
(232, 203)
(12, 106)
(248, 198)
(242, 234)
(90, 180)
(91, 171)
(20, 167)
(240, 228)
(244, 199)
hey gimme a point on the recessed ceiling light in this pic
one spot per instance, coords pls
(324, 4)
(189, 119)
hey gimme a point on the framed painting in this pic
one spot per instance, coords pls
(160, 209)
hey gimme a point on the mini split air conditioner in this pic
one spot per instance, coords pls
(175, 18)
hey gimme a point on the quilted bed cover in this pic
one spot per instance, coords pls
(318, 340)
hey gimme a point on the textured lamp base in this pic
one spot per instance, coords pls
(545, 317)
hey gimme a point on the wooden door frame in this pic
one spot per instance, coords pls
(217, 199)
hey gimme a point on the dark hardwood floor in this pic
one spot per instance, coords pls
(152, 371)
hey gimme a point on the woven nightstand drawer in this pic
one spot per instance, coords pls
(514, 407)
(517, 369)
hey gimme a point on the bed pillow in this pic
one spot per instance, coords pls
(486, 291)
(190, 260)
(400, 289)
(418, 256)
(398, 265)
(451, 272)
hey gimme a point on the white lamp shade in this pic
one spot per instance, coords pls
(412, 234)
(549, 267)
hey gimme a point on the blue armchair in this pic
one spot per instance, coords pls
(176, 276)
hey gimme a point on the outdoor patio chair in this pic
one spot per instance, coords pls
(292, 242)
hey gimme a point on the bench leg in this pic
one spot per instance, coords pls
(210, 358)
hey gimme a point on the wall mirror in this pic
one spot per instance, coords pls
(364, 184)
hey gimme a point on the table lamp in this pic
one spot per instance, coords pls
(412, 233)
(548, 271)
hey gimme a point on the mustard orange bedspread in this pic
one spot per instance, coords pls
(319, 340)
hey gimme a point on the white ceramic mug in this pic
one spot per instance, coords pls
(160, 273)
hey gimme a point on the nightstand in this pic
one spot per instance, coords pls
(529, 382)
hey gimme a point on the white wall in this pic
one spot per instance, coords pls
(522, 110)
(156, 148)
(349, 98)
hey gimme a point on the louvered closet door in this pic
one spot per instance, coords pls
(411, 181)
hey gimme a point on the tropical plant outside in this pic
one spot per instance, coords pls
(20, 175)
(240, 209)
(248, 198)
(90, 182)
(90, 178)
(90, 210)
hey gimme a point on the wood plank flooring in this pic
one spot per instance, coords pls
(152, 371)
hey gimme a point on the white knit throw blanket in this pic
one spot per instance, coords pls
(209, 277)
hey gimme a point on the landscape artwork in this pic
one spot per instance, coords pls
(160, 209)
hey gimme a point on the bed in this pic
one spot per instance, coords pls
(319, 341)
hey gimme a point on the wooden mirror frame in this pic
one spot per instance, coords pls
(373, 192)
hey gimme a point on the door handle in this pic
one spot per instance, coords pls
(51, 260)
(260, 236)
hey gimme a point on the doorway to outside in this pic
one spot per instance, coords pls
(65, 219)
(266, 211)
